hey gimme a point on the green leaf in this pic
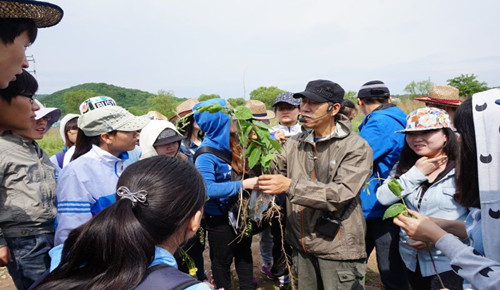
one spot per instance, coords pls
(395, 187)
(242, 113)
(276, 145)
(254, 157)
(394, 210)
(260, 124)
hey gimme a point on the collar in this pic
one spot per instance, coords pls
(163, 256)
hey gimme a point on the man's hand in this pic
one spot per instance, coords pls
(5, 257)
(274, 184)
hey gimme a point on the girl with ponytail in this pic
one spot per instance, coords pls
(130, 244)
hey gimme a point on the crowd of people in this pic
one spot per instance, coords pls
(129, 200)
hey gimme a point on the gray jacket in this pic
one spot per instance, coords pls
(27, 189)
(343, 162)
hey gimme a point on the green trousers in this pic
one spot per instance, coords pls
(314, 273)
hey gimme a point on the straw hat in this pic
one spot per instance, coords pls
(442, 95)
(184, 108)
(259, 111)
(43, 14)
(155, 115)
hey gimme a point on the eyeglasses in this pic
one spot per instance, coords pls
(31, 97)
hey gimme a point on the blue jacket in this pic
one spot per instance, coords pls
(215, 171)
(378, 129)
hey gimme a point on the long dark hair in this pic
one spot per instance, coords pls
(84, 144)
(408, 157)
(25, 85)
(467, 176)
(115, 248)
(188, 131)
(67, 127)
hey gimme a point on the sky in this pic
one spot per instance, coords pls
(231, 47)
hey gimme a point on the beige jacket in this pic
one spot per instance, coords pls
(343, 163)
(27, 189)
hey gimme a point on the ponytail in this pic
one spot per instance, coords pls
(115, 248)
(111, 251)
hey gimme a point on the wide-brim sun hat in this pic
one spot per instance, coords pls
(442, 95)
(52, 114)
(184, 108)
(427, 118)
(42, 13)
(110, 118)
(259, 111)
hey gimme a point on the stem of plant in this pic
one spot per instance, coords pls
(434, 264)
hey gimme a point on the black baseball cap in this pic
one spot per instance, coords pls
(322, 91)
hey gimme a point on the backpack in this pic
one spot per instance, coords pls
(166, 277)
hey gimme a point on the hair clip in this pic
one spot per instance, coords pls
(135, 197)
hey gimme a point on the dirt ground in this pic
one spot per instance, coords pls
(372, 278)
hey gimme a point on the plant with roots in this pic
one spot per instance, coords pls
(259, 149)
(398, 208)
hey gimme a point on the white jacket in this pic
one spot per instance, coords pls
(85, 187)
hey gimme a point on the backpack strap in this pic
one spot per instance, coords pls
(207, 149)
(164, 276)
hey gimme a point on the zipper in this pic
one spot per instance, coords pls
(302, 220)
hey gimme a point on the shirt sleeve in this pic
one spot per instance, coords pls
(74, 203)
(207, 164)
(481, 272)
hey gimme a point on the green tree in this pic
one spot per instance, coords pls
(165, 103)
(467, 84)
(204, 97)
(351, 96)
(267, 95)
(235, 102)
(421, 88)
(73, 99)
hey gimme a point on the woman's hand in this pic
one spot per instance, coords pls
(429, 165)
(417, 245)
(251, 183)
(420, 228)
(279, 135)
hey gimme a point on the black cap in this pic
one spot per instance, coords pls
(374, 89)
(168, 136)
(322, 91)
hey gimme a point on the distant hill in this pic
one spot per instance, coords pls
(127, 98)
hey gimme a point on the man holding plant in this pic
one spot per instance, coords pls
(322, 171)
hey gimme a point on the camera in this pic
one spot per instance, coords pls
(327, 226)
